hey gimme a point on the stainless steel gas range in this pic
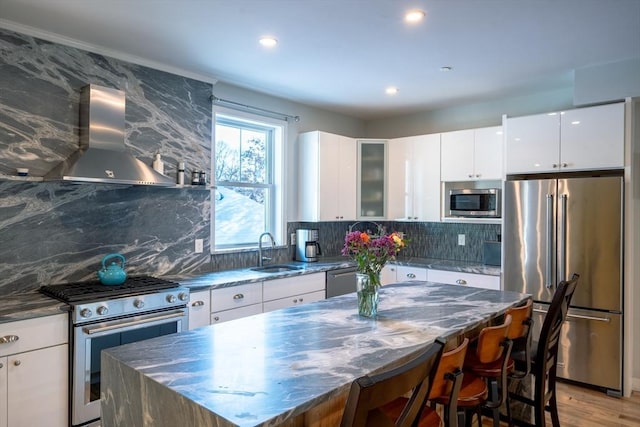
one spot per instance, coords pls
(107, 316)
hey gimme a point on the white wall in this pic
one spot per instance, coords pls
(481, 114)
(310, 119)
(607, 82)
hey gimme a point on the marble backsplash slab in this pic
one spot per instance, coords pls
(53, 232)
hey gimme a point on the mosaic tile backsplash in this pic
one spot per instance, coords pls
(53, 232)
(426, 239)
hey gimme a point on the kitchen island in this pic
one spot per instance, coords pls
(289, 367)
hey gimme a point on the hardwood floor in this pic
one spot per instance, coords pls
(582, 407)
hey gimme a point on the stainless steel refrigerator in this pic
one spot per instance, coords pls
(554, 226)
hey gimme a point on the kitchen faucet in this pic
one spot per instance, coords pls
(262, 258)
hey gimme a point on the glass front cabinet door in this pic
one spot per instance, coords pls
(372, 170)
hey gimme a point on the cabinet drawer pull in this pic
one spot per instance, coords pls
(295, 300)
(216, 318)
(238, 296)
(8, 339)
(17, 363)
(301, 299)
(461, 282)
(197, 304)
(411, 275)
(565, 165)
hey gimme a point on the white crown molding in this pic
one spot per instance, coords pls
(57, 38)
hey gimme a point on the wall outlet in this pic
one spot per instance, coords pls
(461, 239)
(293, 239)
(199, 246)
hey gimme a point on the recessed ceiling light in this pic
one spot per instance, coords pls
(414, 16)
(391, 90)
(446, 68)
(268, 41)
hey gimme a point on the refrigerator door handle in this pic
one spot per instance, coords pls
(563, 238)
(577, 316)
(548, 282)
(582, 316)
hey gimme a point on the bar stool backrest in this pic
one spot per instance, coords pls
(520, 320)
(450, 362)
(490, 339)
(369, 393)
(549, 339)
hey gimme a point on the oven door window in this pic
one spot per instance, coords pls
(116, 339)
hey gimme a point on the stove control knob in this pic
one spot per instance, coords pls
(85, 312)
(183, 296)
(171, 298)
(102, 310)
(138, 303)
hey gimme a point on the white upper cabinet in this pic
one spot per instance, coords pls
(327, 177)
(487, 154)
(414, 178)
(532, 143)
(471, 154)
(579, 139)
(592, 138)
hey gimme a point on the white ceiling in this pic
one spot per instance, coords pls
(340, 55)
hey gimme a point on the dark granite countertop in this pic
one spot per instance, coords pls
(272, 368)
(220, 279)
(29, 305)
(33, 304)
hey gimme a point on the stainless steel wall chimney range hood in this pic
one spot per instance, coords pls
(103, 156)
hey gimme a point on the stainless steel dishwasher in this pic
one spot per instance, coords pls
(341, 281)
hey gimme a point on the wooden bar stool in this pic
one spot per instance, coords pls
(446, 384)
(368, 394)
(545, 359)
(490, 361)
(520, 334)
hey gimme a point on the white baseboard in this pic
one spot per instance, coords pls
(635, 384)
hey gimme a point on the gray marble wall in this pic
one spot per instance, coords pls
(56, 232)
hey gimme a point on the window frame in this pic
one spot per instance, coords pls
(275, 159)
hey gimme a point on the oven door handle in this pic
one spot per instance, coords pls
(90, 330)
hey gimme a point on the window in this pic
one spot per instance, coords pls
(248, 156)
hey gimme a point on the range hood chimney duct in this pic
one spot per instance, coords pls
(103, 156)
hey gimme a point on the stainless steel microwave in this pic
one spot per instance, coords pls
(475, 203)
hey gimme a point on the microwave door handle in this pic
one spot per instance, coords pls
(548, 282)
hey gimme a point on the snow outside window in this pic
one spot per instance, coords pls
(246, 202)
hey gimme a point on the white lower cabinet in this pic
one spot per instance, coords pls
(293, 300)
(34, 372)
(465, 279)
(235, 302)
(199, 309)
(290, 291)
(408, 274)
(235, 313)
(388, 274)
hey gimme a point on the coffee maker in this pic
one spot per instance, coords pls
(307, 246)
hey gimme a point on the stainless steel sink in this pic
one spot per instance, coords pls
(276, 268)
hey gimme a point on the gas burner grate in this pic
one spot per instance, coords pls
(94, 290)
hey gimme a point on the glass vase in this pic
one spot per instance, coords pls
(367, 286)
